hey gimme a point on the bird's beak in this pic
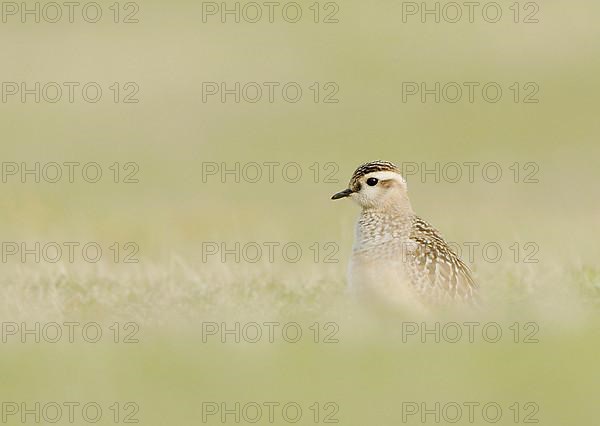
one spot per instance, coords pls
(342, 194)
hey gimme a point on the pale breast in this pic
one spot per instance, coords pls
(381, 281)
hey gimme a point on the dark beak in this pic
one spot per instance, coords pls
(342, 194)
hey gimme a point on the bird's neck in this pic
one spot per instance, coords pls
(376, 228)
(394, 209)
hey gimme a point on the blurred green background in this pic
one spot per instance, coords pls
(170, 133)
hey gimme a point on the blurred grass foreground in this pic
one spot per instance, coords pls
(170, 254)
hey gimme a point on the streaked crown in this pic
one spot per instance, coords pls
(373, 166)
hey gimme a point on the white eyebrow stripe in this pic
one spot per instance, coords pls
(387, 175)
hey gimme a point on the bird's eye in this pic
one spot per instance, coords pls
(372, 181)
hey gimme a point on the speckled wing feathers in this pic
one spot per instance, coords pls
(436, 272)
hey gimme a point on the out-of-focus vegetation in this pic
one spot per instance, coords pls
(546, 226)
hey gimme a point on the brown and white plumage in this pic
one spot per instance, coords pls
(436, 271)
(397, 255)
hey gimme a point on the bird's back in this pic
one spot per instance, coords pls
(407, 259)
(435, 270)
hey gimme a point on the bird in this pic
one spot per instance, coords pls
(398, 258)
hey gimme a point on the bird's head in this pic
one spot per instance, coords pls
(377, 185)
